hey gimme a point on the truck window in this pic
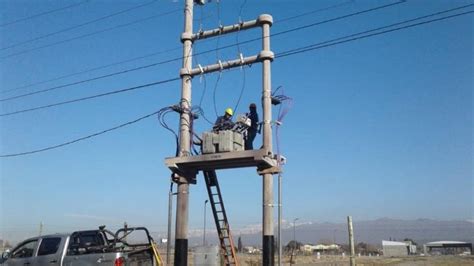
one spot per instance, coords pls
(26, 250)
(85, 242)
(49, 246)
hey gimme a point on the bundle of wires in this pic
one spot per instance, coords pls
(194, 113)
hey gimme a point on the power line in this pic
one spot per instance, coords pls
(80, 139)
(92, 69)
(335, 42)
(314, 11)
(89, 80)
(207, 51)
(155, 53)
(77, 26)
(43, 13)
(89, 97)
(90, 34)
(287, 53)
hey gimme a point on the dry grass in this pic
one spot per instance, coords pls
(255, 260)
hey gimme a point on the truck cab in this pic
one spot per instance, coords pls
(87, 248)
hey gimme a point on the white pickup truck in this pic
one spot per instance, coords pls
(86, 248)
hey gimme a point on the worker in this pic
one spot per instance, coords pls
(254, 127)
(224, 122)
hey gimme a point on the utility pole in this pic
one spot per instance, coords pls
(40, 228)
(351, 240)
(182, 201)
(267, 55)
(183, 167)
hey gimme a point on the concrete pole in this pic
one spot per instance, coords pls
(170, 220)
(182, 202)
(268, 237)
(351, 240)
(279, 219)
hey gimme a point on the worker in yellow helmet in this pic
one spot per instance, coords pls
(224, 122)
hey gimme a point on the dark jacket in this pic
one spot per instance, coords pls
(254, 118)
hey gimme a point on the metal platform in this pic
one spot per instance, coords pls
(261, 159)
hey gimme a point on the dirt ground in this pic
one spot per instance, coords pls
(254, 260)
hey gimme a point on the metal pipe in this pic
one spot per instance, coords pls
(351, 240)
(182, 202)
(279, 218)
(204, 235)
(170, 220)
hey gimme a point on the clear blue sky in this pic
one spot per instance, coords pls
(381, 127)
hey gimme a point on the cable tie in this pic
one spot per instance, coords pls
(241, 59)
(201, 69)
(221, 66)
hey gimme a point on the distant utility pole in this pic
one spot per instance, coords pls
(40, 228)
(351, 240)
(125, 227)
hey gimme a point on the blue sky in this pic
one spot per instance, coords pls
(380, 127)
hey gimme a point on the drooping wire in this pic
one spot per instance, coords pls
(241, 90)
(43, 13)
(214, 100)
(79, 139)
(77, 26)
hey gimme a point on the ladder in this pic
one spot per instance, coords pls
(220, 218)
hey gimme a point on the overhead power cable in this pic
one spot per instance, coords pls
(90, 97)
(204, 52)
(153, 54)
(287, 53)
(80, 139)
(90, 34)
(77, 26)
(91, 79)
(314, 11)
(43, 13)
(92, 69)
(336, 42)
(279, 55)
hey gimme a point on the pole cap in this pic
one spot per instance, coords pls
(265, 19)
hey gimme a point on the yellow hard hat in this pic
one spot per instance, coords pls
(229, 111)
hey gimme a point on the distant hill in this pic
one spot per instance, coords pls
(372, 232)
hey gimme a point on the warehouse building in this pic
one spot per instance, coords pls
(397, 249)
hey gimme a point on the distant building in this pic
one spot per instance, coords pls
(447, 248)
(397, 249)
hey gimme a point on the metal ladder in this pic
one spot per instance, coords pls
(220, 218)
